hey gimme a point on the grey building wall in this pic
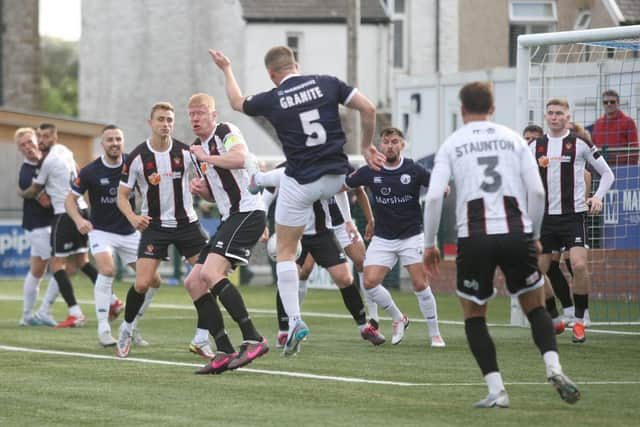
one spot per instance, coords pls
(20, 55)
(133, 54)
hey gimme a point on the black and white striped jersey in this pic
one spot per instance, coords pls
(228, 186)
(497, 188)
(561, 162)
(163, 180)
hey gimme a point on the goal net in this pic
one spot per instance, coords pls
(580, 66)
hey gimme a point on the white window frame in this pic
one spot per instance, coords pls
(587, 16)
(513, 19)
(299, 36)
(401, 17)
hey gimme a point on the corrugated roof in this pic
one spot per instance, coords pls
(309, 11)
(630, 10)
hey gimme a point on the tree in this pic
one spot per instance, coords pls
(59, 78)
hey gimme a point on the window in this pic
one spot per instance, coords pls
(396, 9)
(583, 20)
(530, 17)
(293, 41)
(398, 45)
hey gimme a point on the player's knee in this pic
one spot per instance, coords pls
(208, 277)
(369, 282)
(343, 280)
(142, 283)
(579, 266)
(156, 281)
(107, 270)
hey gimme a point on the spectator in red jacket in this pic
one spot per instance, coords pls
(615, 130)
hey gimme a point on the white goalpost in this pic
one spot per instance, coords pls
(579, 66)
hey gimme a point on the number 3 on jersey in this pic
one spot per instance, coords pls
(311, 127)
(490, 172)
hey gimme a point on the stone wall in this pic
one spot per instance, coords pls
(20, 55)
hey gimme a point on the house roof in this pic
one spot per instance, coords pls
(319, 11)
(630, 10)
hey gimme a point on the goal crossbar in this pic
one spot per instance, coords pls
(526, 41)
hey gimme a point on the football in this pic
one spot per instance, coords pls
(271, 248)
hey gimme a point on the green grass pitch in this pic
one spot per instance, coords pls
(55, 377)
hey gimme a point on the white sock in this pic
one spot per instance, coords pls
(30, 295)
(49, 297)
(201, 335)
(372, 307)
(126, 326)
(269, 179)
(429, 309)
(381, 296)
(568, 312)
(288, 287)
(102, 296)
(494, 382)
(302, 290)
(147, 300)
(74, 310)
(552, 361)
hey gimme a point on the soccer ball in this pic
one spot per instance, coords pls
(271, 248)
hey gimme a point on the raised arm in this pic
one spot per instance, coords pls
(234, 94)
(367, 111)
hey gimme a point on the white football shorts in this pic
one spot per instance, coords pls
(124, 245)
(295, 201)
(386, 252)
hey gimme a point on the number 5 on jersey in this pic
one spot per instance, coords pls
(311, 127)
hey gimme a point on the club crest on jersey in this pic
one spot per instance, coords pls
(405, 178)
(154, 178)
(385, 191)
(177, 161)
(568, 145)
(543, 161)
(540, 149)
(149, 166)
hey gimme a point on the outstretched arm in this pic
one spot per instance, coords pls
(367, 111)
(234, 94)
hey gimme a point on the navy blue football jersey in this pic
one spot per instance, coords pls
(304, 112)
(33, 214)
(101, 181)
(396, 197)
